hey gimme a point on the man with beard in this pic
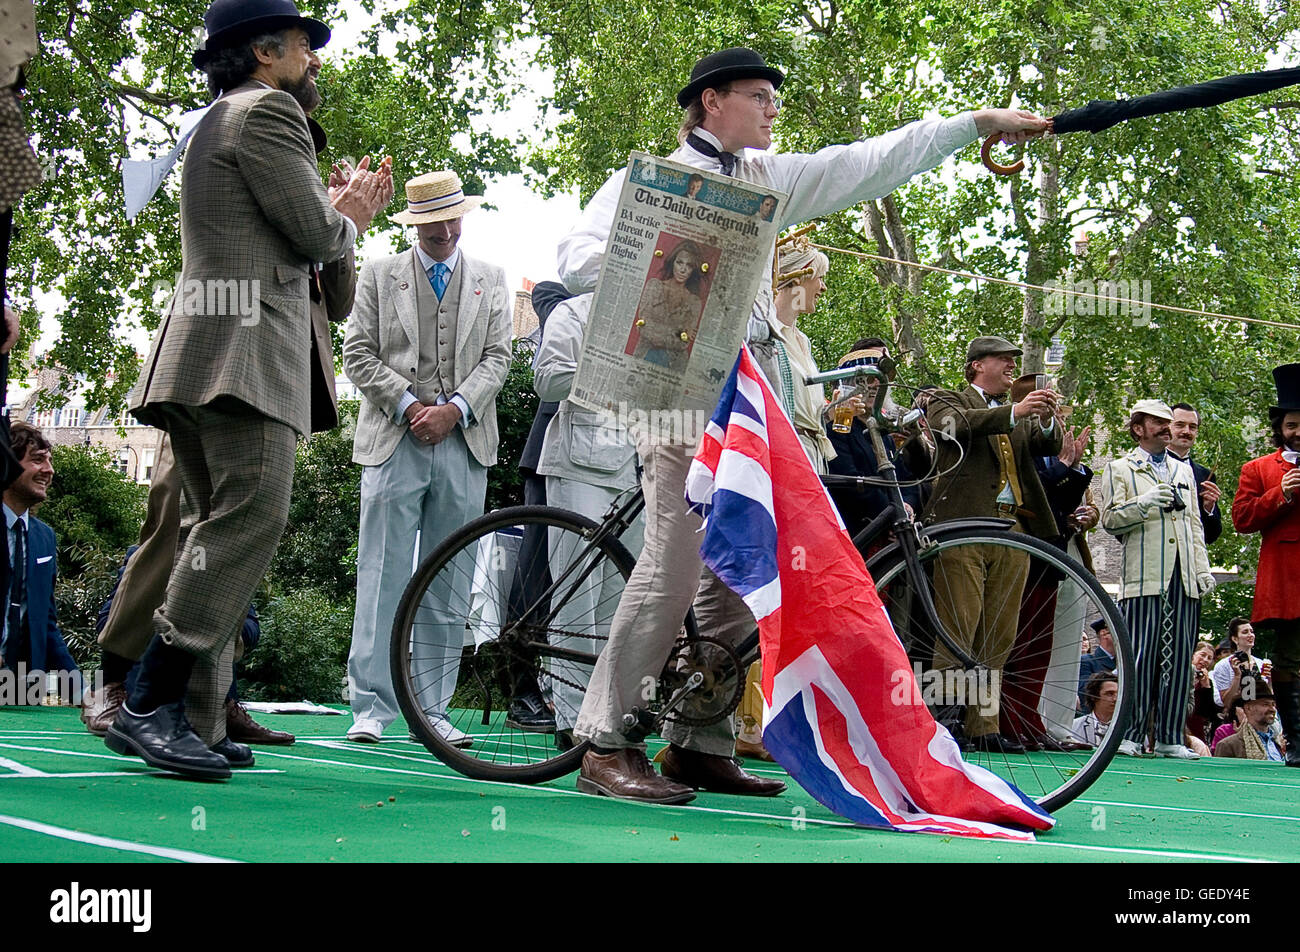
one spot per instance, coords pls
(229, 374)
(1150, 503)
(1266, 502)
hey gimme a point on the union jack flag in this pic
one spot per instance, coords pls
(831, 659)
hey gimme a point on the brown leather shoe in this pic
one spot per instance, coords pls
(99, 710)
(715, 774)
(242, 729)
(627, 775)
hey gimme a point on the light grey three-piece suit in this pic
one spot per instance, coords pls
(401, 339)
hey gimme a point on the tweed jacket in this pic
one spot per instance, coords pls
(579, 444)
(255, 216)
(333, 289)
(1259, 506)
(381, 350)
(1154, 539)
(971, 488)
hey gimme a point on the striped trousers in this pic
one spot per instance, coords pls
(1163, 629)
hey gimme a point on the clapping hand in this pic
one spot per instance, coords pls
(360, 194)
(1072, 447)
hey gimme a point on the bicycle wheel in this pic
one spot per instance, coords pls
(1024, 634)
(491, 654)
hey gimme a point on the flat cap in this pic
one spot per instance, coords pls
(1152, 408)
(988, 346)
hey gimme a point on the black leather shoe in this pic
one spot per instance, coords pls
(1028, 743)
(959, 736)
(997, 744)
(165, 740)
(529, 712)
(237, 755)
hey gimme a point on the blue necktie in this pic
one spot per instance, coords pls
(438, 278)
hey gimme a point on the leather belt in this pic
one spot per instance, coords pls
(1007, 509)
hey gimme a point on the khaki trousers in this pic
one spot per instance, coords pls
(977, 592)
(668, 577)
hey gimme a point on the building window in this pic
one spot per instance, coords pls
(147, 475)
(122, 461)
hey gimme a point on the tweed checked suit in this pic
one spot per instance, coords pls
(964, 581)
(402, 339)
(229, 373)
(144, 581)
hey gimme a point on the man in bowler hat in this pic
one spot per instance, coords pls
(233, 390)
(730, 105)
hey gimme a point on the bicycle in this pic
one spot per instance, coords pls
(527, 632)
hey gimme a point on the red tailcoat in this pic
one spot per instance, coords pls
(1259, 507)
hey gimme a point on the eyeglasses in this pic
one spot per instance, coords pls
(761, 98)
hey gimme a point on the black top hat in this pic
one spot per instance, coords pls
(230, 21)
(714, 70)
(1287, 378)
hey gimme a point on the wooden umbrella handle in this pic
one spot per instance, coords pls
(987, 158)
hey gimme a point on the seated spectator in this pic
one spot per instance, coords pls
(30, 635)
(1101, 659)
(1256, 736)
(1101, 692)
(1204, 714)
(1228, 672)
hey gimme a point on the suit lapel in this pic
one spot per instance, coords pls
(472, 295)
(406, 270)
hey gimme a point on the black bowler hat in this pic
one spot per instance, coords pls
(722, 67)
(1287, 378)
(230, 21)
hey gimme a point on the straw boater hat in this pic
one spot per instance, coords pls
(436, 196)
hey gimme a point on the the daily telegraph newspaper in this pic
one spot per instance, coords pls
(686, 255)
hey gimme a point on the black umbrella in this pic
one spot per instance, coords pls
(1101, 114)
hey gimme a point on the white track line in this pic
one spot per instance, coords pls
(166, 852)
(1150, 806)
(20, 770)
(1136, 851)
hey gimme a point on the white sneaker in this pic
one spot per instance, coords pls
(366, 730)
(1177, 751)
(448, 732)
(1129, 748)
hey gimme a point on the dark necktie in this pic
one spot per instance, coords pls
(727, 160)
(18, 587)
